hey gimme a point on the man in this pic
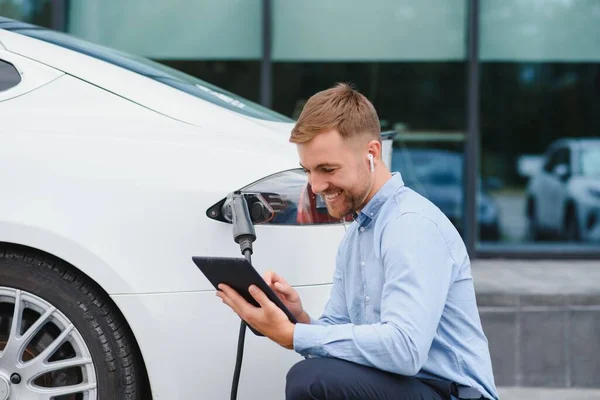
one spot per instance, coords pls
(402, 320)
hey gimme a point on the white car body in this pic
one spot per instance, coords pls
(564, 200)
(113, 173)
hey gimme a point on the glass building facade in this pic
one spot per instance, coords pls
(496, 104)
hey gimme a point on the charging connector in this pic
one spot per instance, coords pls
(243, 229)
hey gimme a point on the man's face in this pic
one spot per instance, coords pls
(338, 169)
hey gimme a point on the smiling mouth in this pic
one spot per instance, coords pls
(332, 196)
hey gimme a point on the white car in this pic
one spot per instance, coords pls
(111, 167)
(563, 197)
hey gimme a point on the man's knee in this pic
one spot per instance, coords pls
(306, 381)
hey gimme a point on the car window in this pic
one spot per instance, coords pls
(9, 76)
(428, 166)
(590, 161)
(550, 161)
(443, 177)
(153, 70)
(561, 155)
(566, 157)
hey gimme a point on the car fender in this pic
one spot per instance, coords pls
(68, 250)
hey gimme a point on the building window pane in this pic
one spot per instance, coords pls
(217, 41)
(407, 57)
(377, 30)
(540, 118)
(176, 29)
(37, 12)
(540, 30)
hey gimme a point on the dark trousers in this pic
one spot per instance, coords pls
(335, 379)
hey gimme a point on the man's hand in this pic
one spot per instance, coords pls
(268, 319)
(288, 296)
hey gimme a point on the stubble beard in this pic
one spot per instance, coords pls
(352, 199)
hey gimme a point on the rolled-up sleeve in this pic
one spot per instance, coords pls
(417, 275)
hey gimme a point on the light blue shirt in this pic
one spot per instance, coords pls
(402, 298)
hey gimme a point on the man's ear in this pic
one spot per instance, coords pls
(374, 147)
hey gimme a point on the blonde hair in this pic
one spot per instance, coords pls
(342, 108)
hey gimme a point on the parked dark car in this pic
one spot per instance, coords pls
(438, 175)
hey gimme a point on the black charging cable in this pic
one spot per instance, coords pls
(244, 235)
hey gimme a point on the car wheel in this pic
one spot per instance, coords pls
(572, 226)
(533, 232)
(60, 336)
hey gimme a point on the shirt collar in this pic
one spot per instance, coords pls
(371, 209)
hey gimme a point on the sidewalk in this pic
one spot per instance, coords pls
(548, 394)
(540, 277)
(542, 320)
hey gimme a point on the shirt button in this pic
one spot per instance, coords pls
(367, 298)
(362, 228)
(362, 263)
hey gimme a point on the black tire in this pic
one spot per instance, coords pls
(533, 233)
(120, 374)
(572, 231)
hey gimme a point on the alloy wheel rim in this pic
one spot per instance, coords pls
(4, 388)
(42, 355)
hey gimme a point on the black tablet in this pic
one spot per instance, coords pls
(239, 274)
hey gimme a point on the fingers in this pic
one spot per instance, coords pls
(260, 297)
(237, 303)
(252, 315)
(222, 294)
(269, 277)
(227, 300)
(285, 289)
(278, 283)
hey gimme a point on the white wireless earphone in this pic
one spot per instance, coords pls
(370, 157)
